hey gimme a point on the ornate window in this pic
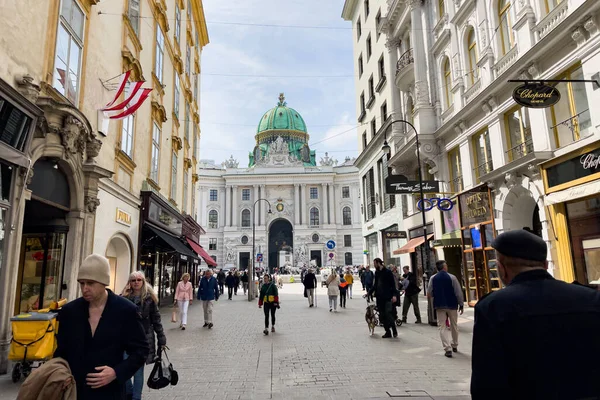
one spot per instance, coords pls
(185, 190)
(177, 22)
(314, 193)
(518, 133)
(186, 126)
(347, 240)
(69, 47)
(213, 195)
(244, 239)
(160, 53)
(212, 244)
(505, 24)
(127, 136)
(188, 59)
(133, 13)
(472, 53)
(441, 9)
(347, 216)
(245, 218)
(448, 83)
(315, 238)
(177, 94)
(552, 4)
(482, 153)
(314, 216)
(213, 219)
(155, 153)
(456, 181)
(245, 194)
(345, 192)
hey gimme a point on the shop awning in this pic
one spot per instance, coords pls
(202, 253)
(411, 245)
(577, 192)
(173, 242)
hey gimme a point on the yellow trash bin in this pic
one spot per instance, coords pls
(34, 336)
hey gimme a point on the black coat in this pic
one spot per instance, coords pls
(230, 281)
(385, 285)
(537, 339)
(412, 288)
(148, 310)
(310, 280)
(119, 331)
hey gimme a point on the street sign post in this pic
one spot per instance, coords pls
(259, 257)
(330, 244)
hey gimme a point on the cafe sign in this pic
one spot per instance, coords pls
(536, 95)
(475, 206)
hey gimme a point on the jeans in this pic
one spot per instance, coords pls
(135, 389)
(333, 302)
(183, 309)
(245, 284)
(269, 307)
(350, 290)
(369, 295)
(343, 299)
(221, 286)
(229, 292)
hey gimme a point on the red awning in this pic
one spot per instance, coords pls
(412, 243)
(202, 253)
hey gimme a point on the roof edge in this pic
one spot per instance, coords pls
(348, 10)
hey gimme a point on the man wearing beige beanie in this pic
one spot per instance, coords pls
(95, 331)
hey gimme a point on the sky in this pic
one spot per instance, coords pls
(312, 67)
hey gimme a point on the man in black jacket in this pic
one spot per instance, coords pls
(538, 337)
(310, 283)
(221, 281)
(387, 295)
(411, 295)
(95, 331)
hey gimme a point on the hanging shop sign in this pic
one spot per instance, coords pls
(536, 95)
(475, 206)
(579, 166)
(397, 184)
(394, 235)
(442, 203)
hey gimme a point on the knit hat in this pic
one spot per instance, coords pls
(95, 268)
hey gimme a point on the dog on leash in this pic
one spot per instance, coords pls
(371, 318)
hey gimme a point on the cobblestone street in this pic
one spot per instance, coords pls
(313, 355)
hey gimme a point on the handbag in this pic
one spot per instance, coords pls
(174, 313)
(162, 374)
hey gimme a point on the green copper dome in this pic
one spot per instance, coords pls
(281, 118)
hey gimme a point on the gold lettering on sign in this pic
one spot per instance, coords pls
(535, 97)
(123, 217)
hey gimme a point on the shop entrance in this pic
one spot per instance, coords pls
(244, 260)
(45, 228)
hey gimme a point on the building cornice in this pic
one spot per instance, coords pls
(348, 10)
(112, 188)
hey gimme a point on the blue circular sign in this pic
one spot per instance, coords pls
(330, 244)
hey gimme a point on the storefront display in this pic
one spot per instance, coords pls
(572, 184)
(477, 233)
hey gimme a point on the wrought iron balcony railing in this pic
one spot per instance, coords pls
(405, 60)
(520, 150)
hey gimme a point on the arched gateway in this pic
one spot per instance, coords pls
(281, 238)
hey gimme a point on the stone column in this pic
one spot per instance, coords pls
(227, 208)
(332, 207)
(255, 217)
(296, 204)
(395, 106)
(263, 204)
(325, 213)
(303, 208)
(234, 206)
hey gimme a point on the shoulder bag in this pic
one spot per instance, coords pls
(162, 374)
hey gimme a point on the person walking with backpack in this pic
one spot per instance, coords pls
(141, 293)
(269, 298)
(333, 290)
(343, 291)
(208, 293)
(447, 296)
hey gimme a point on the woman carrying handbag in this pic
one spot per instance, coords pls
(140, 293)
(333, 290)
(183, 298)
(269, 297)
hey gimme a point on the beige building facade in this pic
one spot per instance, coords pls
(69, 186)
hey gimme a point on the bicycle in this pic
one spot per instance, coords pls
(442, 203)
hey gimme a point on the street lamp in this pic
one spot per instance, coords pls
(424, 257)
(252, 267)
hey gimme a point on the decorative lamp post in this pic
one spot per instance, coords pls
(252, 267)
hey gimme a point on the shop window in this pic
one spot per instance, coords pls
(583, 217)
(472, 54)
(245, 218)
(214, 258)
(314, 193)
(245, 194)
(482, 153)
(518, 133)
(213, 219)
(155, 153)
(127, 136)
(456, 181)
(570, 117)
(347, 240)
(348, 258)
(133, 12)
(314, 216)
(174, 160)
(505, 26)
(347, 216)
(69, 48)
(177, 22)
(159, 54)
(213, 195)
(177, 94)
(345, 192)
(212, 244)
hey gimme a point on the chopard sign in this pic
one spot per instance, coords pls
(576, 167)
(590, 161)
(536, 95)
(392, 186)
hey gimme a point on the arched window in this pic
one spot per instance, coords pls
(448, 83)
(213, 219)
(245, 218)
(472, 53)
(505, 25)
(347, 216)
(314, 216)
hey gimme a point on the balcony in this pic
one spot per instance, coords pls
(473, 91)
(573, 129)
(552, 20)
(405, 69)
(456, 184)
(483, 169)
(520, 150)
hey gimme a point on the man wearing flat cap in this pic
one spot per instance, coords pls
(538, 337)
(95, 331)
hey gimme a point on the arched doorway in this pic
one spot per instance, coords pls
(525, 213)
(118, 253)
(281, 237)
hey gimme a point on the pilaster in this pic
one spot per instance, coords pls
(235, 203)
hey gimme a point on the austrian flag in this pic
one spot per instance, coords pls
(135, 96)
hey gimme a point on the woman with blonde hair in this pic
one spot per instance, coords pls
(183, 298)
(140, 293)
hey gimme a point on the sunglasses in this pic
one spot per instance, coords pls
(136, 280)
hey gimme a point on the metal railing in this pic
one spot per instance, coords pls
(405, 60)
(484, 168)
(520, 150)
(456, 184)
(574, 124)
